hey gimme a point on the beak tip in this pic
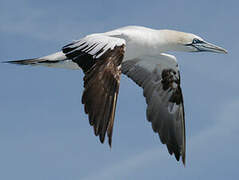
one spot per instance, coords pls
(212, 48)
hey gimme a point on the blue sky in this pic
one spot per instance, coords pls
(44, 133)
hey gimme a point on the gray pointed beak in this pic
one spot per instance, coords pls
(205, 46)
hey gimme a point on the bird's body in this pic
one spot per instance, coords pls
(139, 53)
(141, 41)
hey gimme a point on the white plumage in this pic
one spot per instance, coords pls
(141, 54)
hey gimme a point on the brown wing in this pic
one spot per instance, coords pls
(161, 84)
(100, 58)
(101, 84)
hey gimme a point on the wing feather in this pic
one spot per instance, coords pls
(100, 57)
(160, 80)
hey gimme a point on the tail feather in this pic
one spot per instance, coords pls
(35, 61)
(56, 60)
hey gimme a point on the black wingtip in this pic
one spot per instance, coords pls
(184, 162)
(110, 142)
(183, 159)
(102, 138)
(177, 156)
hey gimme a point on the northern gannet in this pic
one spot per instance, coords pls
(139, 53)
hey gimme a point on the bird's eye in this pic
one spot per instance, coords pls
(195, 41)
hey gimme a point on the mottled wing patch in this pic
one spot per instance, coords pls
(171, 82)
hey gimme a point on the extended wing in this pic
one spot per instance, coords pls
(159, 77)
(100, 57)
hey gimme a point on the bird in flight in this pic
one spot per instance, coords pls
(141, 54)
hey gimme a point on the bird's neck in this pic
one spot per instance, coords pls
(169, 40)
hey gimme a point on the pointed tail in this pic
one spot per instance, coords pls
(36, 61)
(56, 60)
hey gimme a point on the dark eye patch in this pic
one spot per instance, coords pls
(195, 41)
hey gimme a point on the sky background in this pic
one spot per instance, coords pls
(44, 133)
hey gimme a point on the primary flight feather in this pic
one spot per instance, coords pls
(139, 53)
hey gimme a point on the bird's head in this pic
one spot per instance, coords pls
(180, 41)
